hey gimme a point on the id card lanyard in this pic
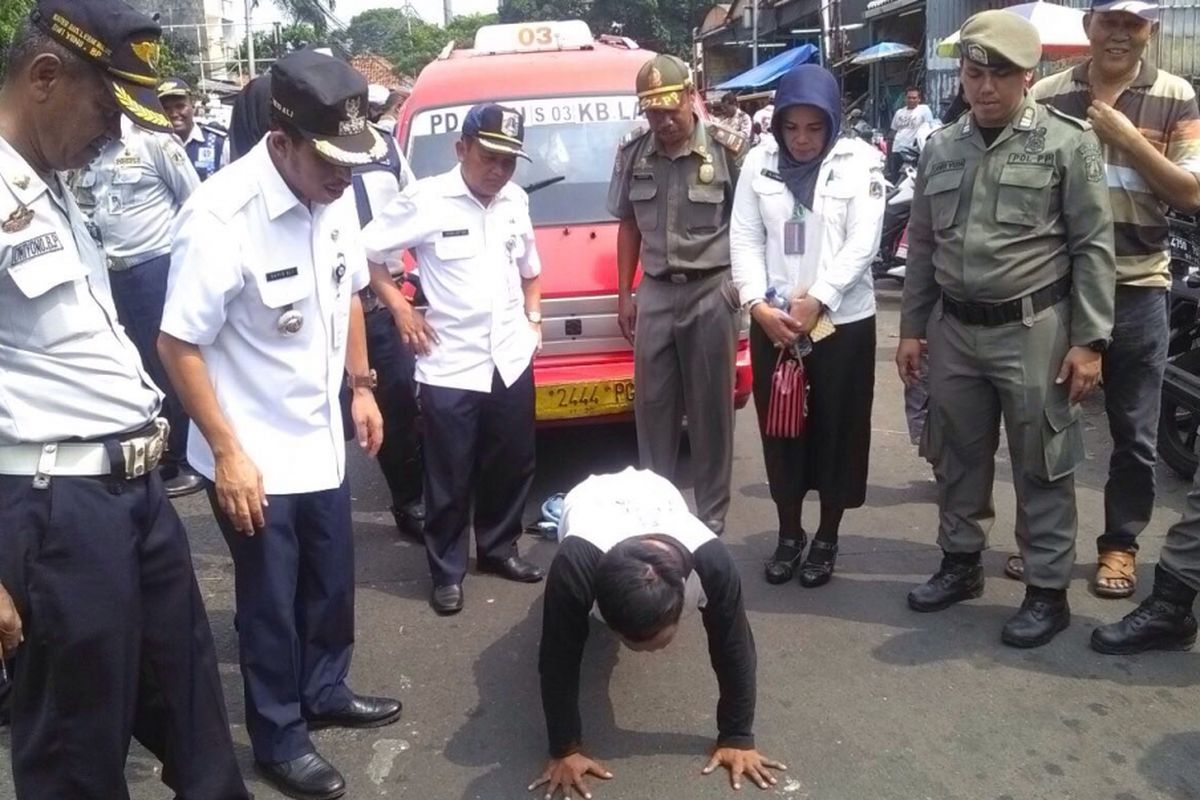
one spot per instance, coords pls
(794, 231)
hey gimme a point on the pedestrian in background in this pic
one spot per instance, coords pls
(377, 185)
(906, 122)
(134, 191)
(263, 327)
(806, 224)
(205, 144)
(672, 190)
(97, 591)
(1149, 125)
(470, 232)
(1010, 279)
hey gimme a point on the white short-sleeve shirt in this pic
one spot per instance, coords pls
(472, 259)
(67, 369)
(246, 251)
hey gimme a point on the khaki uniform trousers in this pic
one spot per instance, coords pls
(685, 345)
(977, 377)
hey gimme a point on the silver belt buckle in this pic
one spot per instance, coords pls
(143, 453)
(678, 277)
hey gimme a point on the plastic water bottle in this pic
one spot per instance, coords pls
(803, 345)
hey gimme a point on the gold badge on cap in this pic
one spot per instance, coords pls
(655, 79)
(18, 220)
(148, 52)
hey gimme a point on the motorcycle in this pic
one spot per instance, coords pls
(1179, 416)
(893, 243)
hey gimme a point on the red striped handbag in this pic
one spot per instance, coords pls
(787, 409)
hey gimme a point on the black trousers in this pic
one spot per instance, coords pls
(400, 456)
(480, 445)
(295, 616)
(117, 643)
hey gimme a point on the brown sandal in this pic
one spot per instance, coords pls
(1115, 565)
(1014, 567)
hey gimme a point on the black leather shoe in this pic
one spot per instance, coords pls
(513, 568)
(954, 582)
(410, 520)
(787, 555)
(1156, 624)
(363, 712)
(447, 599)
(1044, 613)
(309, 777)
(183, 482)
(817, 572)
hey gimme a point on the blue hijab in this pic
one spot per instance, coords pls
(806, 85)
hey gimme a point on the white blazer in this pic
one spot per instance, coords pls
(843, 236)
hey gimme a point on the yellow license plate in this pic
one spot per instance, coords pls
(585, 399)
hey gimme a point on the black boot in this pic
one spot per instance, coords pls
(959, 578)
(1163, 621)
(1043, 614)
(782, 565)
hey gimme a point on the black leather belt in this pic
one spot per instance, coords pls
(992, 314)
(685, 275)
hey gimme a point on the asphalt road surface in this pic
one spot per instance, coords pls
(858, 695)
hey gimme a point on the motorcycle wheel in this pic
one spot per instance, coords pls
(1179, 427)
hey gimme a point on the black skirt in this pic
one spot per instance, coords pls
(831, 456)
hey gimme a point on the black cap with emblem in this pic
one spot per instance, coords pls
(122, 42)
(496, 128)
(326, 100)
(174, 87)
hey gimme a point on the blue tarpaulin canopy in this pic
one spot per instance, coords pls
(771, 70)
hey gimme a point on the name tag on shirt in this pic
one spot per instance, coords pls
(279, 275)
(772, 174)
(206, 156)
(453, 234)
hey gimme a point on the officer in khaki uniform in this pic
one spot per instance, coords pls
(672, 190)
(1011, 277)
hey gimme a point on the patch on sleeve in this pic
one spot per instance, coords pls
(1093, 162)
(35, 247)
(731, 140)
(876, 187)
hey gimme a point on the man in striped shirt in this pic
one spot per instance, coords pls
(1149, 125)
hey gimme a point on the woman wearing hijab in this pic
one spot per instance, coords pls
(807, 217)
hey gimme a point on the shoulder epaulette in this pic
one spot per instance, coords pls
(633, 136)
(732, 141)
(212, 128)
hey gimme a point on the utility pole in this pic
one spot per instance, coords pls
(754, 23)
(251, 67)
(447, 12)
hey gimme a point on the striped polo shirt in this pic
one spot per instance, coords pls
(1163, 107)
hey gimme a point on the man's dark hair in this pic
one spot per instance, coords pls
(639, 589)
(916, 89)
(29, 42)
(281, 123)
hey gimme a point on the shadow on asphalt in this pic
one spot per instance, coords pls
(1169, 765)
(506, 705)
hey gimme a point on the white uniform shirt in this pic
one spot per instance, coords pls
(842, 230)
(907, 121)
(472, 260)
(137, 185)
(382, 187)
(66, 367)
(246, 250)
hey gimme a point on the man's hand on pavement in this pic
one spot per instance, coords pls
(567, 775)
(743, 762)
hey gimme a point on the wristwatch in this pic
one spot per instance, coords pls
(534, 316)
(1098, 345)
(368, 381)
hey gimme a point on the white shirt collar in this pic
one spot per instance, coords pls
(453, 185)
(16, 173)
(196, 135)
